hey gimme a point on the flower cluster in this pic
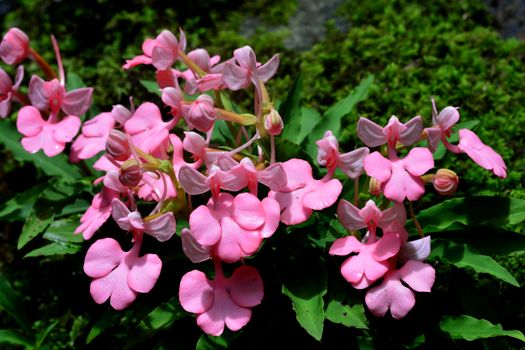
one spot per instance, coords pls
(150, 159)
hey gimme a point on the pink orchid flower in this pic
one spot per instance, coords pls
(156, 187)
(222, 301)
(371, 261)
(93, 138)
(14, 47)
(369, 216)
(193, 82)
(374, 135)
(161, 227)
(480, 153)
(392, 295)
(247, 71)
(400, 178)
(351, 163)
(119, 275)
(442, 126)
(7, 90)
(52, 95)
(303, 193)
(97, 214)
(161, 52)
(49, 135)
(234, 226)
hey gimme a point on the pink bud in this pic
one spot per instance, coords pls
(130, 173)
(273, 123)
(120, 113)
(446, 182)
(117, 145)
(374, 187)
(201, 114)
(14, 47)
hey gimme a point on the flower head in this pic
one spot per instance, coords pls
(14, 47)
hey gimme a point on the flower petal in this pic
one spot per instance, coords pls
(195, 292)
(246, 287)
(102, 257)
(144, 272)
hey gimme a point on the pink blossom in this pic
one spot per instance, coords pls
(161, 52)
(374, 135)
(14, 47)
(97, 214)
(480, 153)
(201, 113)
(53, 96)
(93, 138)
(156, 186)
(247, 71)
(234, 226)
(392, 295)
(273, 123)
(209, 81)
(223, 301)
(303, 193)
(400, 178)
(371, 261)
(351, 163)
(442, 126)
(119, 275)
(48, 135)
(192, 249)
(7, 89)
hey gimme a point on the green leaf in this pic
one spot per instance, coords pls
(19, 207)
(163, 316)
(10, 302)
(36, 223)
(62, 231)
(333, 117)
(306, 288)
(151, 86)
(78, 206)
(54, 166)
(43, 335)
(207, 342)
(309, 119)
(472, 211)
(464, 256)
(290, 111)
(53, 249)
(348, 316)
(470, 328)
(14, 338)
(109, 318)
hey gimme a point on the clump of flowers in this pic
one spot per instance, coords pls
(167, 162)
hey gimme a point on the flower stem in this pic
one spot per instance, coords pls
(414, 219)
(42, 63)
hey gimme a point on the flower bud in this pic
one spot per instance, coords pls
(130, 173)
(446, 182)
(201, 114)
(120, 113)
(273, 123)
(374, 187)
(14, 47)
(117, 145)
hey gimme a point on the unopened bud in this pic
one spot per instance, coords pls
(273, 123)
(130, 173)
(120, 113)
(201, 114)
(14, 47)
(374, 187)
(117, 145)
(446, 182)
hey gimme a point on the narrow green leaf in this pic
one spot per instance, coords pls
(78, 206)
(163, 316)
(14, 338)
(109, 318)
(472, 211)
(62, 231)
(54, 166)
(19, 207)
(54, 249)
(464, 256)
(10, 302)
(348, 316)
(306, 288)
(470, 328)
(207, 342)
(151, 86)
(309, 119)
(36, 223)
(43, 335)
(290, 111)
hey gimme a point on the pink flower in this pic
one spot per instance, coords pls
(97, 214)
(400, 178)
(371, 261)
(7, 89)
(351, 163)
(210, 81)
(480, 153)
(49, 135)
(392, 295)
(374, 135)
(248, 72)
(303, 193)
(93, 138)
(14, 47)
(162, 51)
(155, 187)
(201, 113)
(53, 96)
(161, 227)
(223, 301)
(234, 226)
(443, 123)
(119, 275)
